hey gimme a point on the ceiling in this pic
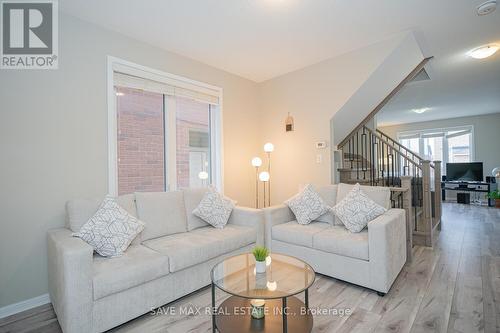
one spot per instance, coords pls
(466, 88)
(262, 39)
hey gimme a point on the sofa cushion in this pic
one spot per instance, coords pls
(136, 266)
(307, 205)
(298, 234)
(356, 209)
(339, 240)
(192, 198)
(79, 211)
(127, 201)
(381, 195)
(329, 195)
(163, 212)
(215, 209)
(111, 229)
(197, 246)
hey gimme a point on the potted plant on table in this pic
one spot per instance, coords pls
(260, 253)
(495, 195)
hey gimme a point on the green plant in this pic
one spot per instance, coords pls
(493, 195)
(260, 253)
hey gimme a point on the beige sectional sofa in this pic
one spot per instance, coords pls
(171, 258)
(371, 258)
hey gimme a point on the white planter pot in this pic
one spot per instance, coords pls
(260, 266)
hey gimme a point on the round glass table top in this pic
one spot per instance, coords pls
(285, 276)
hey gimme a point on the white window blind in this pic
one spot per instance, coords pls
(432, 135)
(134, 78)
(460, 133)
(453, 144)
(403, 136)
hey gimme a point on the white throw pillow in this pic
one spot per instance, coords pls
(111, 229)
(357, 209)
(307, 205)
(214, 208)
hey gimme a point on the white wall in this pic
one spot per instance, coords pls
(404, 55)
(486, 135)
(313, 95)
(53, 142)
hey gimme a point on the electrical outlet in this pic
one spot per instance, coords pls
(319, 158)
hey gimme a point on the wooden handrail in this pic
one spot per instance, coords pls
(400, 145)
(403, 147)
(378, 136)
(407, 79)
(398, 189)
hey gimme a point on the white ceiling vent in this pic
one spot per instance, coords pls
(486, 8)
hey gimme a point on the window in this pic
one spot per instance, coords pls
(459, 148)
(448, 145)
(433, 147)
(164, 131)
(411, 143)
(141, 141)
(193, 143)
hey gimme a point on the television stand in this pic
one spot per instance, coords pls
(469, 187)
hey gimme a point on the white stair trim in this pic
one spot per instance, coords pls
(28, 304)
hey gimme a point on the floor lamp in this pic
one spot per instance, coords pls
(269, 148)
(264, 178)
(256, 163)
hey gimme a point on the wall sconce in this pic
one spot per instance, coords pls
(289, 123)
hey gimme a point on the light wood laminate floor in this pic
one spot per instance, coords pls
(453, 287)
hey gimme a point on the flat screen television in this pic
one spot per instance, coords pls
(468, 172)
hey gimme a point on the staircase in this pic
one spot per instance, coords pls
(370, 157)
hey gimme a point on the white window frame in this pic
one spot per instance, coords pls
(216, 129)
(421, 133)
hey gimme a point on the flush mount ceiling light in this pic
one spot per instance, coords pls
(119, 93)
(486, 8)
(483, 51)
(422, 110)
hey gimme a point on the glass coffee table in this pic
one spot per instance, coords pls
(273, 292)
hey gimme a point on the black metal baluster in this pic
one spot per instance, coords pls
(357, 155)
(392, 166)
(351, 152)
(383, 163)
(380, 160)
(372, 158)
(389, 164)
(364, 154)
(398, 167)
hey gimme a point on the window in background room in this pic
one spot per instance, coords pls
(166, 132)
(433, 146)
(449, 145)
(411, 143)
(459, 146)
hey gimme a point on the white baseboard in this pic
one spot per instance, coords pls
(31, 303)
